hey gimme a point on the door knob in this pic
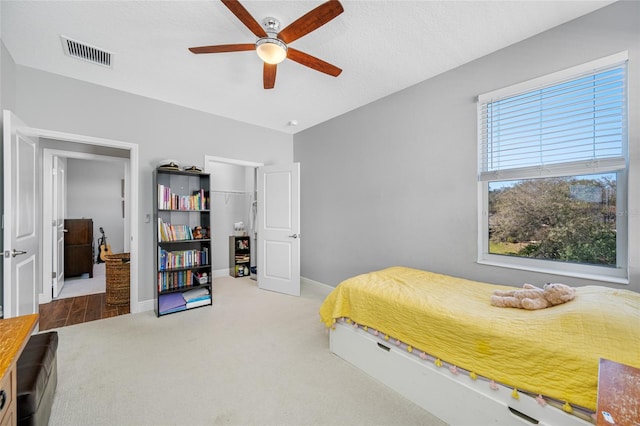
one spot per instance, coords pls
(14, 253)
(294, 236)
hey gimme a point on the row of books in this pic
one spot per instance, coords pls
(182, 258)
(168, 232)
(167, 200)
(175, 302)
(180, 279)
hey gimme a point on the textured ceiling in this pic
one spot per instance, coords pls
(382, 47)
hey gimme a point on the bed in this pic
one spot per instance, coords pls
(441, 330)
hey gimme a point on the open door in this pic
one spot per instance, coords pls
(21, 252)
(58, 210)
(278, 248)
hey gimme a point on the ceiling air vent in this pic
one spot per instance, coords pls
(86, 52)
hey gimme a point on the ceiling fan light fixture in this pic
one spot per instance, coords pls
(271, 50)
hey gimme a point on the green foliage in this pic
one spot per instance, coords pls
(557, 219)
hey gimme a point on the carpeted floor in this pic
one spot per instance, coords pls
(254, 358)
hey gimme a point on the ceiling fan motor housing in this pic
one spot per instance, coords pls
(271, 25)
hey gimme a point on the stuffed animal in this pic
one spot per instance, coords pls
(197, 233)
(532, 297)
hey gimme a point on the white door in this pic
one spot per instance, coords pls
(58, 209)
(278, 248)
(21, 256)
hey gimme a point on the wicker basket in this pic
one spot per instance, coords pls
(117, 277)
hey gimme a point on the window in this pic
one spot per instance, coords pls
(552, 173)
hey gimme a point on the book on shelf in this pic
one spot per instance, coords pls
(172, 302)
(168, 232)
(175, 280)
(182, 258)
(195, 294)
(167, 200)
(199, 302)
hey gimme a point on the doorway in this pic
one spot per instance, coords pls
(73, 143)
(88, 190)
(273, 211)
(233, 192)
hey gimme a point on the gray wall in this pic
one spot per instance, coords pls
(94, 191)
(394, 182)
(161, 130)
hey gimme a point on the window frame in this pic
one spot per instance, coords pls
(618, 274)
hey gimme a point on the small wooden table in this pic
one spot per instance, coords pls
(14, 335)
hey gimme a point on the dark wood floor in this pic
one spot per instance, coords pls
(75, 310)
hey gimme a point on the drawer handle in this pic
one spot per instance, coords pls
(381, 346)
(3, 398)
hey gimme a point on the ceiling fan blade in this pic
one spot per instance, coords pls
(221, 48)
(313, 62)
(245, 17)
(269, 75)
(311, 21)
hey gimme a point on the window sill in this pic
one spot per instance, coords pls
(594, 276)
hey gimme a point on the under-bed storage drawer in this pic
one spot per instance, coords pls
(456, 399)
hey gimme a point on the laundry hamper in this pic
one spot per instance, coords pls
(117, 278)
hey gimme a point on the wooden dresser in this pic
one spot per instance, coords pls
(78, 247)
(14, 335)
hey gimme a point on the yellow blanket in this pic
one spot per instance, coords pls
(553, 351)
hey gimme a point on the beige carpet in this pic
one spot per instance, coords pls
(254, 358)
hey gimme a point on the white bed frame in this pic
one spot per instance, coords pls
(454, 398)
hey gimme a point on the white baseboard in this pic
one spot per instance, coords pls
(145, 305)
(221, 273)
(324, 288)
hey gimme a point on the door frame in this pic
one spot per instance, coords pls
(208, 159)
(131, 188)
(47, 204)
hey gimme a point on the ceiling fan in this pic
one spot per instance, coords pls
(272, 44)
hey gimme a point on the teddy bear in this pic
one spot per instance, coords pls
(532, 297)
(197, 233)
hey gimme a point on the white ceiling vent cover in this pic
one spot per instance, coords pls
(86, 52)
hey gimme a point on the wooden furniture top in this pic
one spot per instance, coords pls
(14, 334)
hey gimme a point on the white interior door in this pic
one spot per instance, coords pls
(21, 255)
(58, 209)
(278, 248)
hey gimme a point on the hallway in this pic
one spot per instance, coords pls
(76, 310)
(82, 299)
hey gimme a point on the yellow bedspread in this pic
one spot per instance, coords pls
(553, 352)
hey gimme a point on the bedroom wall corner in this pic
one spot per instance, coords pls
(395, 182)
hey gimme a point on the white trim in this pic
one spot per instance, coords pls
(325, 288)
(146, 305)
(553, 77)
(47, 214)
(211, 158)
(617, 165)
(563, 269)
(219, 273)
(133, 187)
(577, 168)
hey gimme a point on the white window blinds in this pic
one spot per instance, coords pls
(569, 126)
